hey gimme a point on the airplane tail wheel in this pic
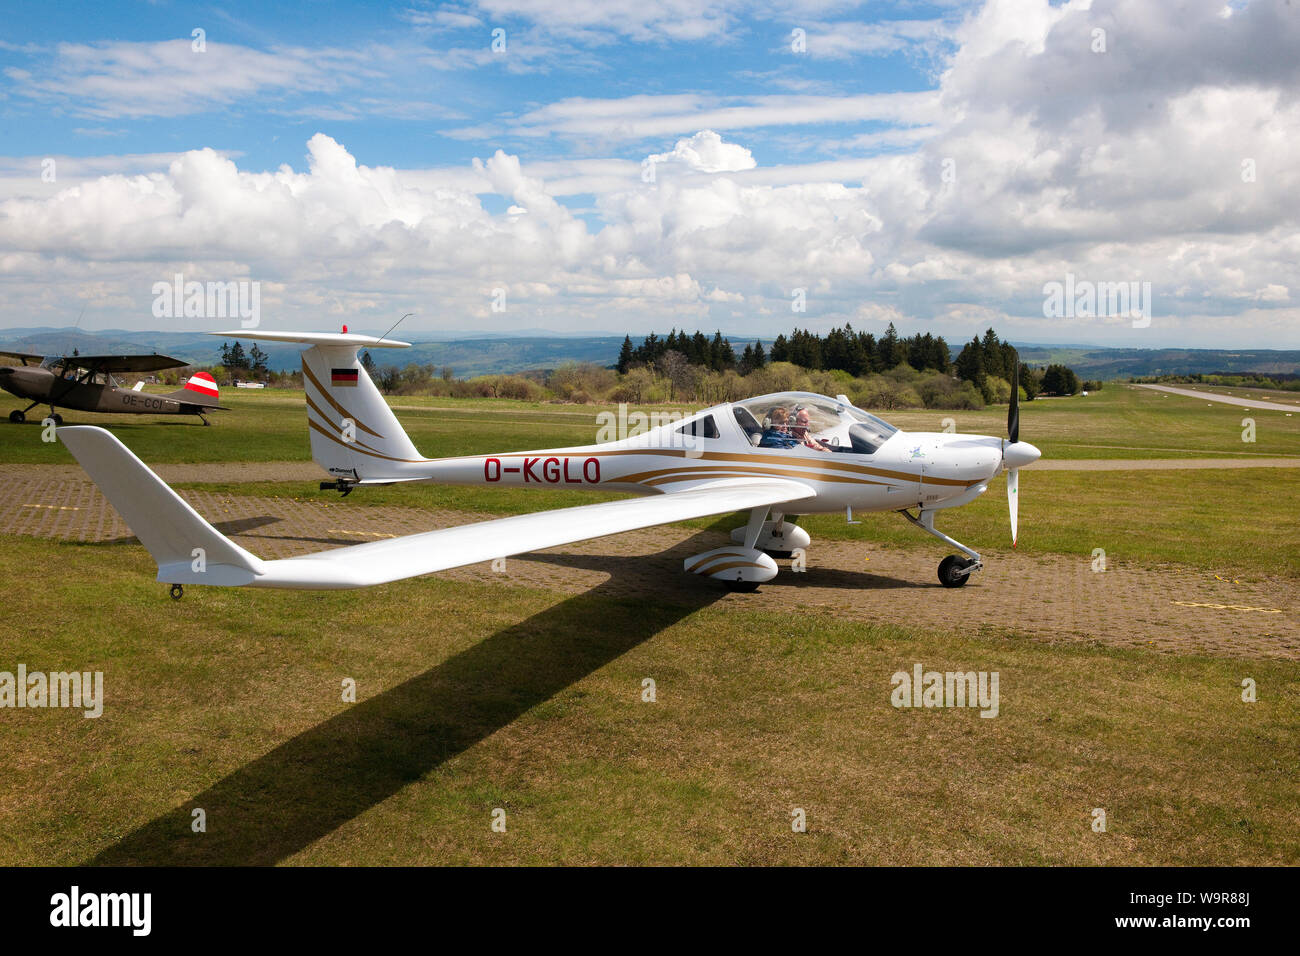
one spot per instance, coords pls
(948, 569)
(177, 592)
(17, 416)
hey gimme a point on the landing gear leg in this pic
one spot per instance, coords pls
(204, 420)
(58, 419)
(177, 592)
(954, 571)
(18, 417)
(755, 526)
(776, 519)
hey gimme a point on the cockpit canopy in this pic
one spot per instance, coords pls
(64, 366)
(833, 422)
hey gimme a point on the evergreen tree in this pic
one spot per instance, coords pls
(893, 351)
(625, 355)
(994, 361)
(721, 354)
(746, 360)
(780, 350)
(1059, 380)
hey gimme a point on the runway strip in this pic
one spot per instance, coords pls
(1225, 399)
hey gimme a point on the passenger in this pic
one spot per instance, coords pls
(802, 432)
(777, 434)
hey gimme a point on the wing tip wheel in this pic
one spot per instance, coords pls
(177, 592)
(736, 568)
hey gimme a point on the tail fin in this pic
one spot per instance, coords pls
(354, 434)
(188, 549)
(201, 389)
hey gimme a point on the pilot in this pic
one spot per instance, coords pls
(802, 432)
(777, 434)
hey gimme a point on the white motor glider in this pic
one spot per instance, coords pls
(777, 456)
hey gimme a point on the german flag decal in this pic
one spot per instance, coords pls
(343, 376)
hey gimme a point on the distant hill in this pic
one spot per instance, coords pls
(467, 357)
(1091, 362)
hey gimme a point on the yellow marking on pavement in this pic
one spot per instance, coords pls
(55, 507)
(371, 534)
(1230, 607)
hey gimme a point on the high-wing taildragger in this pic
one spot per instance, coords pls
(86, 383)
(776, 456)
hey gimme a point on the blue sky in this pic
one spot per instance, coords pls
(933, 165)
(406, 111)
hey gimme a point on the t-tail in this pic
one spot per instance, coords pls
(355, 436)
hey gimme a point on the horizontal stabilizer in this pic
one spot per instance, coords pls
(317, 338)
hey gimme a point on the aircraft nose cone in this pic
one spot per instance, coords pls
(1021, 453)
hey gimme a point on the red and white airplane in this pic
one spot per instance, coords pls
(777, 456)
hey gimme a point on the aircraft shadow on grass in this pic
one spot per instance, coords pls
(232, 527)
(307, 787)
(651, 571)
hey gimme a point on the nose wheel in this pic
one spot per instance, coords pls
(955, 571)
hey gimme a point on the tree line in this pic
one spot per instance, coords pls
(235, 359)
(985, 361)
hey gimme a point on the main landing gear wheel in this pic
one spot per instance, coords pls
(742, 587)
(17, 417)
(58, 419)
(950, 569)
(177, 592)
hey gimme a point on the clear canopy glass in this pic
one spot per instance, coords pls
(833, 424)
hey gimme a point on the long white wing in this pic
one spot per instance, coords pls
(177, 535)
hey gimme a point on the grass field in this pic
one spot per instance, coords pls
(475, 696)
(1117, 422)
